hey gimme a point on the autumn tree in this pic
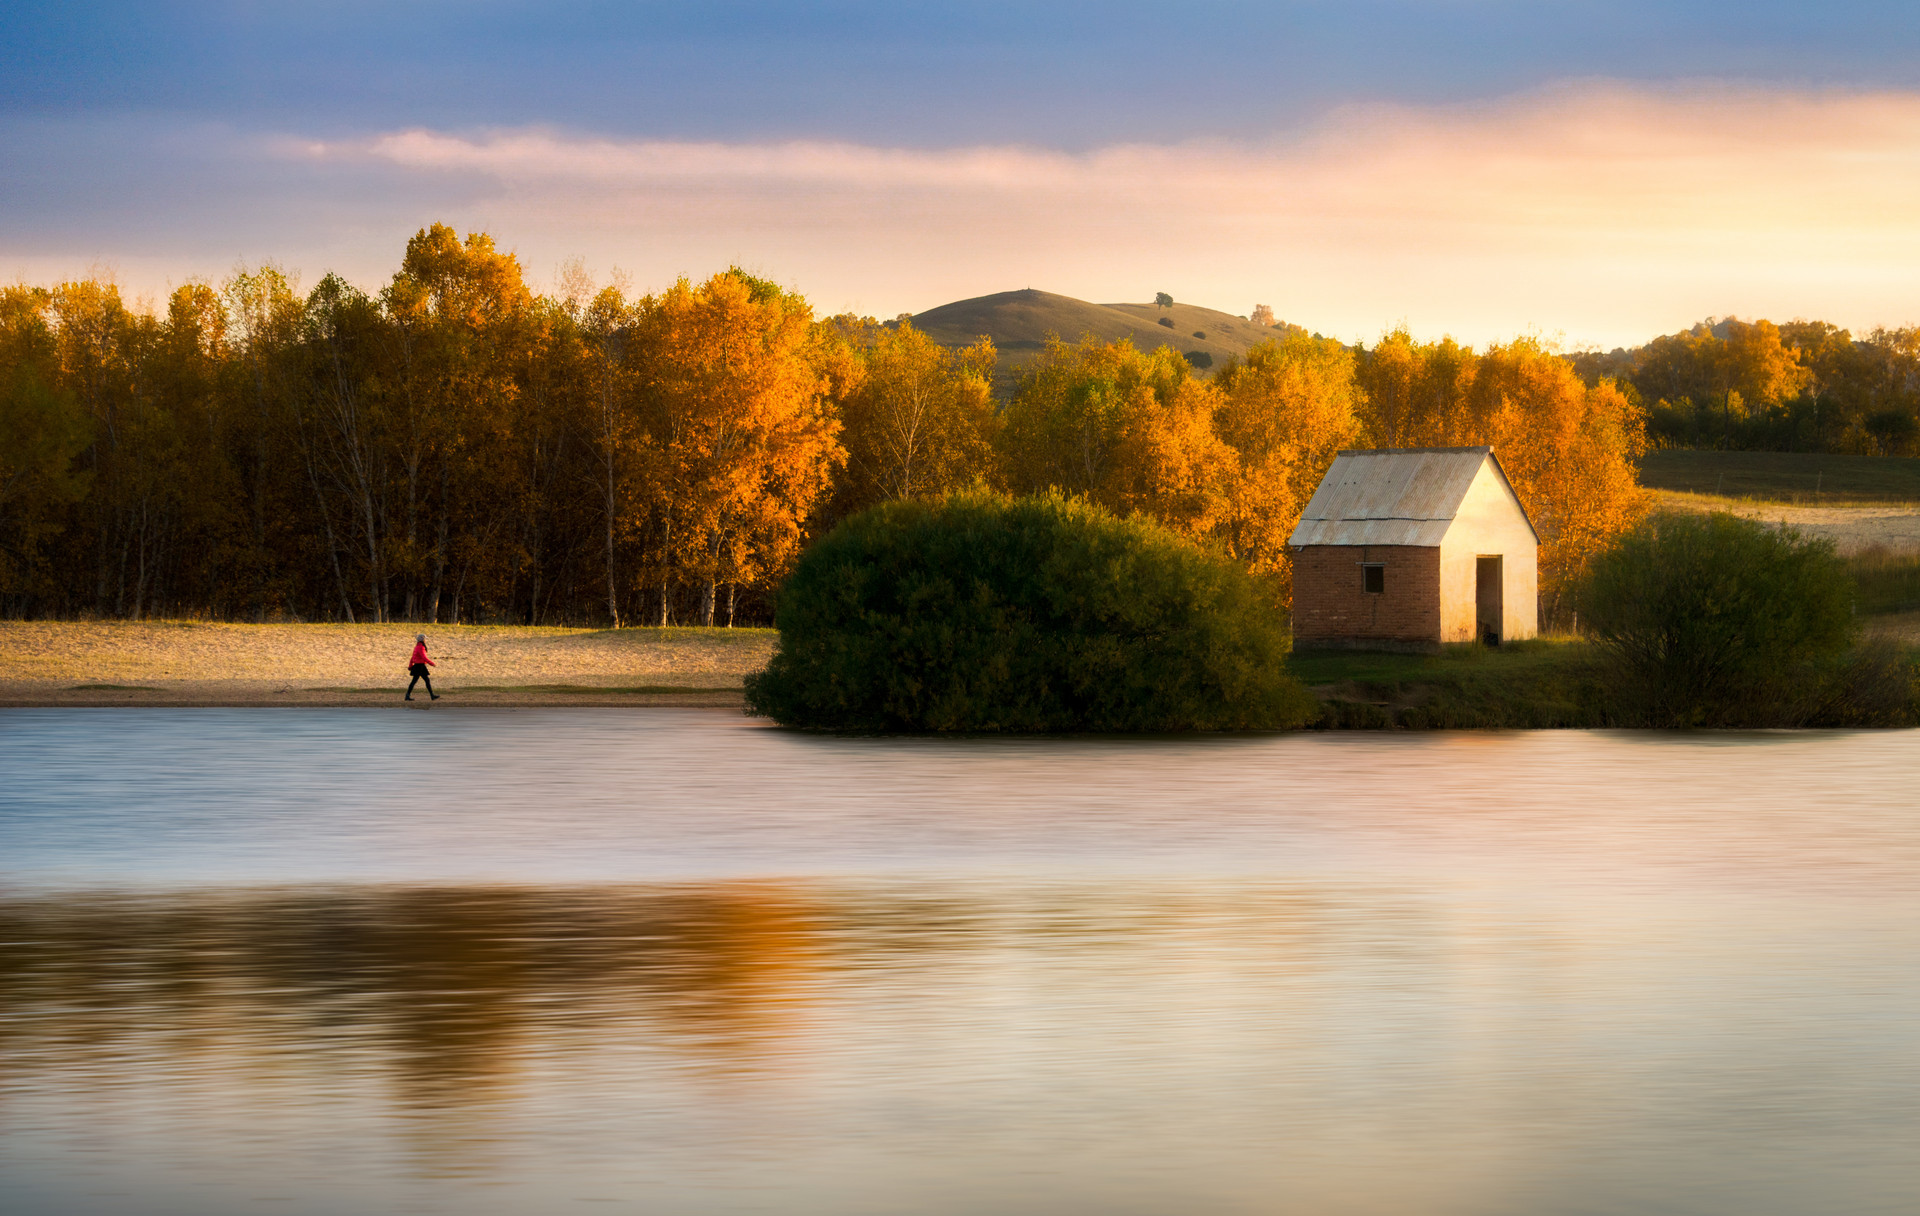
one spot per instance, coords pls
(461, 329)
(1756, 371)
(1731, 373)
(42, 434)
(1569, 450)
(101, 347)
(1286, 410)
(918, 418)
(737, 444)
(1888, 414)
(260, 322)
(1417, 392)
(605, 324)
(1128, 430)
(341, 438)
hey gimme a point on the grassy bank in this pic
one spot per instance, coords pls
(1562, 683)
(1552, 682)
(1800, 478)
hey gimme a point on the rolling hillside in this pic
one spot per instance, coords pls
(1019, 322)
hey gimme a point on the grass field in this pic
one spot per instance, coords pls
(1800, 478)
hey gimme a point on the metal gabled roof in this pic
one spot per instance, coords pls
(1391, 496)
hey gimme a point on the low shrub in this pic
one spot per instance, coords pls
(1718, 620)
(1200, 358)
(1167, 321)
(1875, 684)
(983, 613)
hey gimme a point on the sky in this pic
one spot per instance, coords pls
(1594, 174)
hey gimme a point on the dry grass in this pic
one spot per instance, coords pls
(1901, 627)
(1853, 527)
(193, 662)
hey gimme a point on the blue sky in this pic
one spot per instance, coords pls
(1474, 168)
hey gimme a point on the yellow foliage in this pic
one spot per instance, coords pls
(1286, 411)
(1128, 430)
(919, 418)
(1416, 393)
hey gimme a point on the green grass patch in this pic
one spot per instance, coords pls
(1887, 582)
(1803, 478)
(1548, 682)
(113, 688)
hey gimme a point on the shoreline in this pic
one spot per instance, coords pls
(187, 695)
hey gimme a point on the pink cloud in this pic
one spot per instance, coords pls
(1602, 211)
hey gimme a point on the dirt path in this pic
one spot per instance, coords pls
(1851, 528)
(197, 663)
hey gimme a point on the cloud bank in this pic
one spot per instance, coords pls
(1603, 212)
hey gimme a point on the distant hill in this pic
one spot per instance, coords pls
(1019, 322)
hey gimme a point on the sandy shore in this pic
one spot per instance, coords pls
(181, 663)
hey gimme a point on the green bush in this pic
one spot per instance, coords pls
(1718, 620)
(983, 613)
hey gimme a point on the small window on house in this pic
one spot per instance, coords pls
(1373, 578)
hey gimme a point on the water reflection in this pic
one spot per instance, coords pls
(1144, 1047)
(721, 969)
(445, 991)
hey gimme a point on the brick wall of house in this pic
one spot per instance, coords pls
(1329, 604)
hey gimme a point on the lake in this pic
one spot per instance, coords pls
(493, 961)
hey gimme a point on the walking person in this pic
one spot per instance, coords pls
(417, 667)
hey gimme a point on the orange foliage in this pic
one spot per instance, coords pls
(737, 442)
(1286, 411)
(1569, 450)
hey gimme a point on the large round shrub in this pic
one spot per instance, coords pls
(1714, 619)
(983, 613)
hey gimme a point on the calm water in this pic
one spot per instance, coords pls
(673, 961)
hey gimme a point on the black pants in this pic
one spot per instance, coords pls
(419, 671)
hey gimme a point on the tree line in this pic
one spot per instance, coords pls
(1799, 386)
(459, 448)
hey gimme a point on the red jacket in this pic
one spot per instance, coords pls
(420, 655)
